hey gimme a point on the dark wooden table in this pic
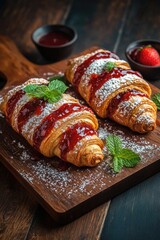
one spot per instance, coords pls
(110, 24)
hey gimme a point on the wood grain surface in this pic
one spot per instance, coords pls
(87, 227)
(17, 206)
(133, 20)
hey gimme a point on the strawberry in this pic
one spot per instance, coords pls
(148, 55)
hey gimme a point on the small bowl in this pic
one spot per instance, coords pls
(54, 42)
(148, 72)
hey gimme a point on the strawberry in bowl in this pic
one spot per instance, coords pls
(148, 55)
(143, 56)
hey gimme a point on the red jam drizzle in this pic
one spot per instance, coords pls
(133, 53)
(72, 135)
(12, 103)
(49, 121)
(54, 39)
(97, 81)
(121, 98)
(82, 67)
(33, 107)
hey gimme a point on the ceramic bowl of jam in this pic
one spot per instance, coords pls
(148, 72)
(54, 42)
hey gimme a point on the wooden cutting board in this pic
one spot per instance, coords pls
(65, 191)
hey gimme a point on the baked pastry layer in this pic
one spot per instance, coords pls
(119, 88)
(66, 128)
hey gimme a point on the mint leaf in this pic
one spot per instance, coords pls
(54, 96)
(35, 90)
(30, 89)
(121, 157)
(128, 157)
(51, 93)
(156, 100)
(109, 66)
(40, 91)
(58, 85)
(114, 144)
(117, 164)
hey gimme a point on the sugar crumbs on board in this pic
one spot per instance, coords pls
(49, 174)
(57, 176)
(27, 176)
(58, 181)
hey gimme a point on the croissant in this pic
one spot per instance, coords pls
(66, 128)
(119, 93)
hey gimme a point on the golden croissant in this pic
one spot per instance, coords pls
(66, 128)
(119, 93)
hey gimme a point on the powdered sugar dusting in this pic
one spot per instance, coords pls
(96, 67)
(80, 143)
(57, 176)
(81, 59)
(30, 126)
(54, 174)
(126, 107)
(113, 85)
(71, 179)
(25, 156)
(146, 117)
(21, 102)
(27, 176)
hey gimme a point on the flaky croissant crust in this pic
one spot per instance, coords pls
(73, 118)
(88, 71)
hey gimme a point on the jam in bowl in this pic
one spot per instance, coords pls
(55, 42)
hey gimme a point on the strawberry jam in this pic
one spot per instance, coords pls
(97, 81)
(47, 124)
(121, 98)
(33, 107)
(54, 39)
(12, 103)
(73, 135)
(82, 67)
(133, 53)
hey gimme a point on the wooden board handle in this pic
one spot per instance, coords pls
(13, 66)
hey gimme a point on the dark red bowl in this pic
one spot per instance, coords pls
(148, 72)
(55, 52)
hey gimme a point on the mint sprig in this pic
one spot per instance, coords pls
(51, 93)
(122, 157)
(156, 100)
(109, 66)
